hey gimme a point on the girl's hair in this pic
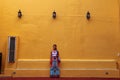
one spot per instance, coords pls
(55, 45)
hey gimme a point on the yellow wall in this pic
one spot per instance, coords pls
(76, 37)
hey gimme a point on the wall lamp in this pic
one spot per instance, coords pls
(88, 16)
(54, 15)
(19, 14)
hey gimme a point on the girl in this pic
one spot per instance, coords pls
(54, 61)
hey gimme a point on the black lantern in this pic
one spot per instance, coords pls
(54, 15)
(88, 16)
(19, 14)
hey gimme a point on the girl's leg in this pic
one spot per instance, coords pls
(51, 72)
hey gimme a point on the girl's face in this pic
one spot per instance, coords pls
(54, 47)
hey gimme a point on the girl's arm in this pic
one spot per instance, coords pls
(58, 56)
(50, 58)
